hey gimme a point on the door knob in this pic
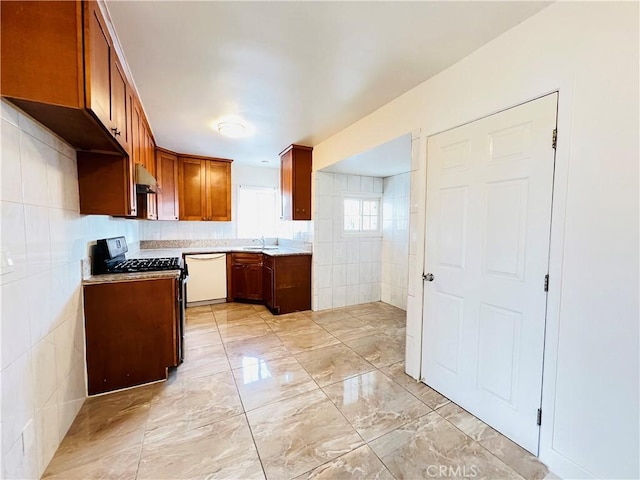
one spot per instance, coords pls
(427, 277)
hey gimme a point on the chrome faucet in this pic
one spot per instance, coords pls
(261, 240)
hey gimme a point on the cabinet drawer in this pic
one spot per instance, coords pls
(247, 258)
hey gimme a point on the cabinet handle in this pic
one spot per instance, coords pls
(115, 131)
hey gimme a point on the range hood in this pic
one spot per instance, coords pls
(145, 182)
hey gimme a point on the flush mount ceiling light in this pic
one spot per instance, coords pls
(231, 129)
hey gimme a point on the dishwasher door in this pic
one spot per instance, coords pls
(207, 278)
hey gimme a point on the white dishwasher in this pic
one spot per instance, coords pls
(207, 278)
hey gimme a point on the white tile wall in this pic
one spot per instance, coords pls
(43, 239)
(346, 270)
(395, 241)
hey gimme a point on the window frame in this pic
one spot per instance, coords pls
(361, 197)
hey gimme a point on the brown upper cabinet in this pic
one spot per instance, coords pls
(204, 188)
(106, 184)
(295, 182)
(143, 153)
(167, 177)
(59, 65)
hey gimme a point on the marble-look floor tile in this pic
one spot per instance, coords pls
(290, 323)
(431, 447)
(346, 329)
(509, 452)
(121, 465)
(301, 433)
(196, 319)
(329, 315)
(189, 403)
(229, 316)
(382, 320)
(268, 381)
(191, 311)
(333, 364)
(374, 404)
(201, 338)
(105, 426)
(218, 307)
(248, 328)
(266, 347)
(204, 361)
(360, 464)
(380, 349)
(298, 341)
(397, 331)
(364, 309)
(223, 450)
(425, 393)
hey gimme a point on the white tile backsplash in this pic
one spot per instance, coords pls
(45, 237)
(11, 180)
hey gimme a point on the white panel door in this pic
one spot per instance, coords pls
(489, 191)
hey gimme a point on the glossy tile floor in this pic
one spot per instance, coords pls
(307, 395)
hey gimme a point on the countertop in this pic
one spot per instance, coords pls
(128, 277)
(177, 252)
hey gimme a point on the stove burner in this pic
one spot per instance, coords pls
(145, 265)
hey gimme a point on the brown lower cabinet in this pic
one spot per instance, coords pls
(282, 283)
(287, 283)
(246, 276)
(132, 332)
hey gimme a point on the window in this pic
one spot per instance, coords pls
(361, 215)
(257, 212)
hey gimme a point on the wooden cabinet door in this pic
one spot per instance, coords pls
(267, 286)
(131, 332)
(98, 71)
(254, 282)
(192, 192)
(150, 148)
(292, 283)
(302, 183)
(239, 281)
(119, 124)
(106, 184)
(218, 190)
(136, 120)
(167, 176)
(286, 184)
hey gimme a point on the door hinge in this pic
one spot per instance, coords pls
(539, 417)
(546, 282)
(554, 138)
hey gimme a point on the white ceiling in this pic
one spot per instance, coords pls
(296, 72)
(390, 158)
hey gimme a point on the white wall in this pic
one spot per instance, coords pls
(588, 52)
(346, 269)
(43, 379)
(395, 240)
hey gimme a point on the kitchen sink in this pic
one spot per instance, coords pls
(259, 248)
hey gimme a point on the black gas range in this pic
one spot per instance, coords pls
(109, 257)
